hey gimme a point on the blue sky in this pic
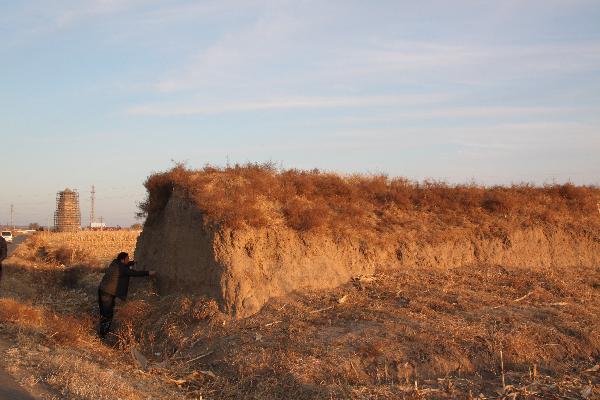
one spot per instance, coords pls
(105, 92)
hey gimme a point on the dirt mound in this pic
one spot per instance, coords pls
(232, 235)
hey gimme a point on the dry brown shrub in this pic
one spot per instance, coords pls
(72, 276)
(14, 311)
(303, 216)
(498, 201)
(66, 255)
(258, 195)
(33, 249)
(59, 328)
(577, 197)
(69, 328)
(133, 310)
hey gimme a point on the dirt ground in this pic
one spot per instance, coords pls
(419, 333)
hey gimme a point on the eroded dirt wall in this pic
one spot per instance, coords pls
(244, 268)
(268, 263)
(530, 248)
(241, 269)
(174, 244)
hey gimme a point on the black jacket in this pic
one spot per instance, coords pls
(3, 249)
(116, 279)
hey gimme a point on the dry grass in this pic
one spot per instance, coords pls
(441, 330)
(415, 333)
(87, 370)
(61, 328)
(92, 248)
(49, 319)
(259, 195)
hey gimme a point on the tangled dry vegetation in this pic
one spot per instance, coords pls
(412, 334)
(69, 248)
(258, 195)
(416, 333)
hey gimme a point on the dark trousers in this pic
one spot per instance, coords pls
(106, 304)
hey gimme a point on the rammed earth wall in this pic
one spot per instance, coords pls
(243, 268)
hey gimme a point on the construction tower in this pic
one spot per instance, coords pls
(67, 217)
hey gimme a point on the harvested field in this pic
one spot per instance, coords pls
(418, 333)
(68, 248)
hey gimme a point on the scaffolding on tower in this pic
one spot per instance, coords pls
(67, 217)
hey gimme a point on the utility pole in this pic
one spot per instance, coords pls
(12, 211)
(92, 209)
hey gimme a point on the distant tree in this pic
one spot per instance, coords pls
(136, 227)
(34, 226)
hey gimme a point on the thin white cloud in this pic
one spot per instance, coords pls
(41, 19)
(83, 10)
(499, 134)
(232, 60)
(199, 10)
(206, 107)
(537, 134)
(464, 112)
(404, 62)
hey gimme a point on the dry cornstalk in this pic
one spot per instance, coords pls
(502, 369)
(321, 309)
(199, 357)
(523, 297)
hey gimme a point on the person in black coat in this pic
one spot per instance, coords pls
(3, 253)
(115, 283)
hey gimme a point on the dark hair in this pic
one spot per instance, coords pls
(122, 256)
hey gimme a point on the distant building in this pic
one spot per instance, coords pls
(98, 225)
(67, 217)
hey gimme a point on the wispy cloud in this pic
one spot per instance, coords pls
(177, 12)
(445, 111)
(498, 135)
(36, 21)
(284, 103)
(462, 62)
(239, 54)
(81, 11)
